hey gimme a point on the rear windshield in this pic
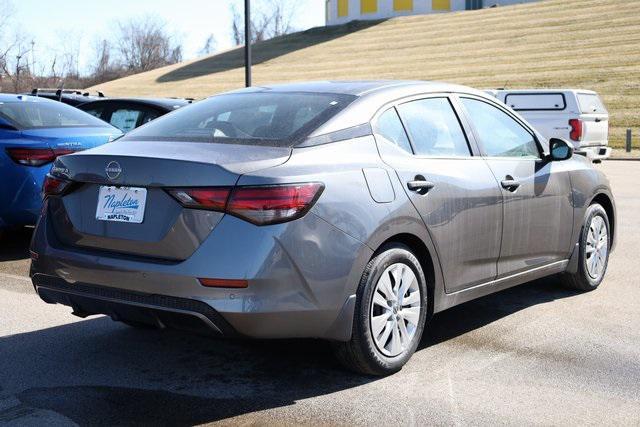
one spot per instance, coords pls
(262, 118)
(590, 103)
(29, 115)
(535, 101)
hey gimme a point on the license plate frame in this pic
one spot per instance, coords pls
(121, 204)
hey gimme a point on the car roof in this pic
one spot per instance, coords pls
(165, 103)
(538, 90)
(353, 87)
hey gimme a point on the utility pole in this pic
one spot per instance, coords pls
(247, 43)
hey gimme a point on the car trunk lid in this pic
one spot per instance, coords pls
(71, 139)
(168, 230)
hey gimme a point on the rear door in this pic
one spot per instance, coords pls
(454, 191)
(595, 118)
(538, 211)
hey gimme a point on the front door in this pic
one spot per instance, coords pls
(454, 192)
(538, 213)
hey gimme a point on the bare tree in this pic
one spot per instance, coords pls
(102, 61)
(7, 42)
(237, 26)
(104, 66)
(143, 44)
(209, 45)
(68, 48)
(281, 18)
(273, 19)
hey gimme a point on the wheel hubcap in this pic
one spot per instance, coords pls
(395, 310)
(597, 247)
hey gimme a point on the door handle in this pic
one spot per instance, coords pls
(420, 186)
(598, 120)
(510, 184)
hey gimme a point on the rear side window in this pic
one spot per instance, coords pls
(390, 128)
(499, 134)
(258, 118)
(591, 103)
(434, 128)
(535, 101)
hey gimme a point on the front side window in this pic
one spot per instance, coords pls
(434, 128)
(262, 118)
(389, 127)
(499, 134)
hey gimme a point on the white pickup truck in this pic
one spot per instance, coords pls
(579, 116)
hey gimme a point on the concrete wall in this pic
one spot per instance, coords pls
(385, 9)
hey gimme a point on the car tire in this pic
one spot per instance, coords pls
(593, 256)
(398, 336)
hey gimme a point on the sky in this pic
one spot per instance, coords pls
(79, 23)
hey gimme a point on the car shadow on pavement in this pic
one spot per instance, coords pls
(14, 244)
(99, 372)
(475, 314)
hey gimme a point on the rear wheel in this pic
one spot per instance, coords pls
(594, 246)
(390, 314)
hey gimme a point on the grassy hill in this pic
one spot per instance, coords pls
(589, 44)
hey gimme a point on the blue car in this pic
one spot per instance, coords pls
(33, 132)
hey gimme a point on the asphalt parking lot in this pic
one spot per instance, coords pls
(535, 354)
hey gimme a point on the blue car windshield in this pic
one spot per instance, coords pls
(30, 115)
(256, 118)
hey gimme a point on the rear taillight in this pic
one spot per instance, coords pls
(214, 199)
(273, 204)
(55, 186)
(35, 156)
(259, 205)
(577, 126)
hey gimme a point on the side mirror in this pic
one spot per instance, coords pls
(560, 149)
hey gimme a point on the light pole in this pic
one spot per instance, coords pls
(247, 43)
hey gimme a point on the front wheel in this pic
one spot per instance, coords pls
(390, 314)
(593, 260)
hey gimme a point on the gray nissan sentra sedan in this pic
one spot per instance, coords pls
(349, 211)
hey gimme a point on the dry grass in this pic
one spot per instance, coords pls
(589, 44)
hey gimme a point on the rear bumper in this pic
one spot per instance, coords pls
(597, 152)
(301, 277)
(155, 310)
